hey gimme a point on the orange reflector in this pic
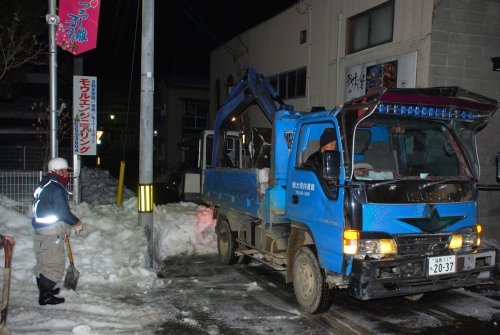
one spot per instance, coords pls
(351, 234)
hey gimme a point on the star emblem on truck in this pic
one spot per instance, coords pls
(431, 221)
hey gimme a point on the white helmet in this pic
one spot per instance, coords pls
(58, 163)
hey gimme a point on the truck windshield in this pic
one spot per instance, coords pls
(388, 148)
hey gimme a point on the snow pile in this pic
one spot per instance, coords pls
(111, 254)
(175, 232)
(99, 187)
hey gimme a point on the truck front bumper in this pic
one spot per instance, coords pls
(373, 279)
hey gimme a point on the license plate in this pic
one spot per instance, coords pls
(442, 265)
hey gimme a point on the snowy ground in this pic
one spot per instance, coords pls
(118, 293)
(111, 255)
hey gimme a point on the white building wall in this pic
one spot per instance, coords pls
(273, 46)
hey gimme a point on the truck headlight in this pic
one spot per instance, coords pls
(361, 245)
(378, 246)
(466, 238)
(456, 241)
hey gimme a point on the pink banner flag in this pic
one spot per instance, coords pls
(77, 28)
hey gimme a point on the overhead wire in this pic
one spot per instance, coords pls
(130, 82)
(118, 25)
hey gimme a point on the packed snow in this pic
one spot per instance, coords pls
(111, 254)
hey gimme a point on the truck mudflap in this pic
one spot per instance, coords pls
(373, 279)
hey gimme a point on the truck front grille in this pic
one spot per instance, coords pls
(422, 244)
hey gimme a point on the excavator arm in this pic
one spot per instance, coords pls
(253, 88)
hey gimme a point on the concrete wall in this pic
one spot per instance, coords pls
(465, 36)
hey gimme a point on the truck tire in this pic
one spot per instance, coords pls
(226, 243)
(311, 290)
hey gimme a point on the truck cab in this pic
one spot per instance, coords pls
(392, 211)
(403, 210)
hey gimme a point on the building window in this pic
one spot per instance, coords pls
(300, 88)
(195, 116)
(370, 28)
(303, 36)
(291, 84)
(282, 85)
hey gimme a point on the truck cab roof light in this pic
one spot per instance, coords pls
(427, 112)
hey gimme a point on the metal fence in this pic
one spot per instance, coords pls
(17, 187)
(26, 157)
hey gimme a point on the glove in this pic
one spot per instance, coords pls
(78, 227)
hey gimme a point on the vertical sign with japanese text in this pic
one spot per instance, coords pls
(84, 115)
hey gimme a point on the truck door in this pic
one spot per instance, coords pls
(313, 201)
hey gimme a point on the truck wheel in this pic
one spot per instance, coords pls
(311, 290)
(226, 243)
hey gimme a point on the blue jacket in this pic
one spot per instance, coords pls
(50, 205)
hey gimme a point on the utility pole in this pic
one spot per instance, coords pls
(77, 160)
(145, 191)
(53, 20)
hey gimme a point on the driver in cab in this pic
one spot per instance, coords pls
(327, 142)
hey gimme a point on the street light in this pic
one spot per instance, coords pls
(98, 136)
(98, 141)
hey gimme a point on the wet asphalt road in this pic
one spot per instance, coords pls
(213, 299)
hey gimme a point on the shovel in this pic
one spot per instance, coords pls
(72, 274)
(8, 244)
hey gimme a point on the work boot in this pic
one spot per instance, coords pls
(46, 292)
(54, 291)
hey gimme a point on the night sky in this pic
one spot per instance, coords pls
(186, 31)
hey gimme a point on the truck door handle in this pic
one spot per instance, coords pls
(295, 199)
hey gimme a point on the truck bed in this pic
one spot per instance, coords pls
(239, 189)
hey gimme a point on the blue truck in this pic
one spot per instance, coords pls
(392, 211)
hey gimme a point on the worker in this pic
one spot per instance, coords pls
(327, 142)
(51, 221)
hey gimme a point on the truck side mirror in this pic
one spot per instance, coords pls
(331, 164)
(498, 166)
